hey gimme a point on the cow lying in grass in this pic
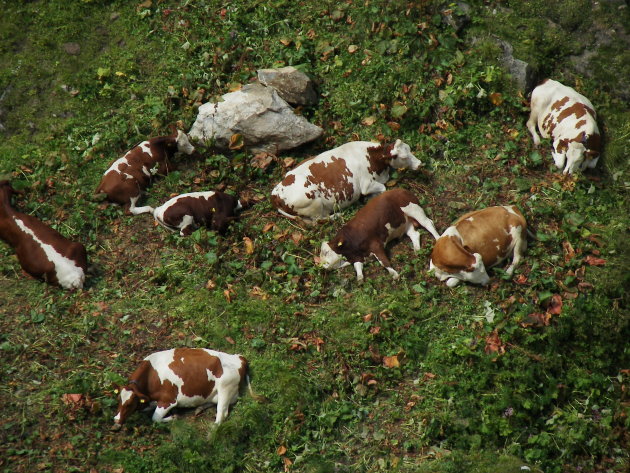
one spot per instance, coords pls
(42, 251)
(183, 377)
(477, 241)
(127, 177)
(337, 178)
(186, 212)
(569, 119)
(385, 217)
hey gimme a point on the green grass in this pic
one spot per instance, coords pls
(483, 382)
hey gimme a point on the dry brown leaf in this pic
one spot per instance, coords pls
(288, 162)
(296, 237)
(521, 279)
(287, 463)
(353, 48)
(594, 261)
(536, 319)
(210, 284)
(368, 121)
(281, 450)
(249, 245)
(236, 142)
(494, 343)
(268, 227)
(391, 361)
(555, 305)
(230, 340)
(569, 252)
(496, 98)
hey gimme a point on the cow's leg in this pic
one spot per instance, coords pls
(373, 187)
(452, 282)
(160, 413)
(226, 395)
(187, 225)
(358, 267)
(203, 408)
(138, 210)
(417, 213)
(413, 234)
(520, 245)
(532, 122)
(378, 250)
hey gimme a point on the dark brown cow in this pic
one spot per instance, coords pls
(384, 218)
(42, 251)
(183, 377)
(186, 212)
(128, 176)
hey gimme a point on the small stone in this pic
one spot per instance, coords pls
(72, 48)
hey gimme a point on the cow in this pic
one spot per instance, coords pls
(337, 178)
(183, 377)
(42, 251)
(385, 217)
(479, 240)
(186, 212)
(127, 177)
(570, 120)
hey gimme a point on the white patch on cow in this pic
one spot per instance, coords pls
(69, 275)
(329, 259)
(146, 171)
(495, 240)
(183, 143)
(417, 213)
(511, 210)
(118, 165)
(159, 212)
(146, 148)
(127, 176)
(125, 395)
(470, 219)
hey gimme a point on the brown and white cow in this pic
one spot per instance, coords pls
(570, 120)
(127, 177)
(186, 212)
(479, 240)
(384, 218)
(337, 178)
(183, 377)
(42, 251)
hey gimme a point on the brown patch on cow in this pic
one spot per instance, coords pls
(578, 109)
(562, 145)
(379, 157)
(450, 255)
(167, 394)
(278, 203)
(580, 124)
(558, 104)
(549, 124)
(489, 232)
(215, 212)
(331, 178)
(242, 371)
(288, 180)
(591, 142)
(191, 365)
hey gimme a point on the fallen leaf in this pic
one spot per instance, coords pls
(555, 305)
(569, 252)
(494, 343)
(288, 162)
(521, 279)
(230, 340)
(249, 245)
(391, 361)
(496, 98)
(368, 121)
(228, 295)
(287, 463)
(258, 292)
(261, 160)
(296, 237)
(375, 330)
(210, 284)
(236, 141)
(72, 398)
(594, 261)
(268, 227)
(281, 450)
(353, 48)
(145, 4)
(536, 319)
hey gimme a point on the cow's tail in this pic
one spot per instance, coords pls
(255, 397)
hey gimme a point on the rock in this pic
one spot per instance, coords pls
(265, 121)
(522, 73)
(292, 85)
(458, 16)
(72, 48)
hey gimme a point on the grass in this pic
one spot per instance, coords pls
(383, 376)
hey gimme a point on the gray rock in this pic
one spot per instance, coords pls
(72, 48)
(266, 122)
(457, 16)
(292, 85)
(522, 73)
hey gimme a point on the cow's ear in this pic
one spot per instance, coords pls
(339, 243)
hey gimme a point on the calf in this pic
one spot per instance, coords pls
(183, 377)
(384, 218)
(128, 176)
(42, 251)
(479, 240)
(186, 212)
(337, 178)
(570, 120)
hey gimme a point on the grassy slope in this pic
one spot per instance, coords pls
(557, 396)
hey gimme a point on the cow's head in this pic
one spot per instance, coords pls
(576, 152)
(129, 398)
(403, 158)
(329, 258)
(183, 144)
(476, 274)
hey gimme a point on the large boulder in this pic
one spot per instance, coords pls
(264, 120)
(292, 85)
(523, 74)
